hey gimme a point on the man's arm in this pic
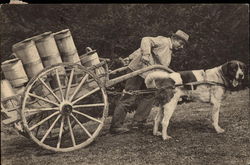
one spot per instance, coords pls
(147, 43)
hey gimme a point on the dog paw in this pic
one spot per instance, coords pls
(220, 130)
(166, 137)
(158, 133)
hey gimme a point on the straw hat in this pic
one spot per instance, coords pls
(182, 35)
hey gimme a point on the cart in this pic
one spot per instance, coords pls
(63, 108)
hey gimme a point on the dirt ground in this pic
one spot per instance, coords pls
(194, 141)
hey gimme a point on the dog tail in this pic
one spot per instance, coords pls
(156, 75)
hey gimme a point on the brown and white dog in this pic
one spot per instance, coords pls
(172, 88)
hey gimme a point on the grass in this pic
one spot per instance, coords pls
(194, 141)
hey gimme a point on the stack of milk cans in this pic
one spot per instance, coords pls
(34, 54)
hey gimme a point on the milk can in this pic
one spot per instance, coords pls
(7, 92)
(47, 49)
(26, 51)
(91, 58)
(14, 72)
(66, 46)
(49, 54)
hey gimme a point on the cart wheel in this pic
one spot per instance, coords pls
(71, 108)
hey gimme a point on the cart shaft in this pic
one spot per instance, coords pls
(136, 73)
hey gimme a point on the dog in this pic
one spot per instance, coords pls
(209, 86)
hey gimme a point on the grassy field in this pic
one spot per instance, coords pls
(194, 141)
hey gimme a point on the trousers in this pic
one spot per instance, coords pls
(142, 103)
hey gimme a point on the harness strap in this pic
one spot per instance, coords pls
(202, 83)
(152, 90)
(138, 92)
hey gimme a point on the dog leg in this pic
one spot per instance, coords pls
(157, 120)
(168, 112)
(216, 98)
(215, 119)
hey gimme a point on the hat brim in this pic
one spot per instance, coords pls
(173, 34)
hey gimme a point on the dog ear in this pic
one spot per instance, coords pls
(225, 68)
(165, 83)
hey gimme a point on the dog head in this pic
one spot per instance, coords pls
(234, 72)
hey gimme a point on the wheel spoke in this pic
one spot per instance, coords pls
(43, 109)
(79, 86)
(86, 95)
(46, 100)
(60, 133)
(69, 83)
(50, 128)
(87, 116)
(59, 84)
(48, 122)
(89, 105)
(49, 89)
(42, 121)
(39, 125)
(71, 132)
(81, 125)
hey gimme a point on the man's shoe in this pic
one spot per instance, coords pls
(119, 130)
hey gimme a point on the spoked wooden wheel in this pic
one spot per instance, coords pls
(71, 108)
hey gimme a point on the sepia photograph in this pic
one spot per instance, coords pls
(124, 84)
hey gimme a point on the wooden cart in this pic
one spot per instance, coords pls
(63, 108)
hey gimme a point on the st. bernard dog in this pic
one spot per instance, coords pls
(204, 85)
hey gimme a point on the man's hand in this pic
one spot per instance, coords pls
(145, 59)
(125, 61)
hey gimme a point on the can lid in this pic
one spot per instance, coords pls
(10, 61)
(62, 34)
(10, 64)
(42, 36)
(22, 44)
(37, 37)
(88, 54)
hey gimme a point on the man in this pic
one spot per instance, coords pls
(153, 50)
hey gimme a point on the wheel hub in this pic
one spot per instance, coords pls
(66, 108)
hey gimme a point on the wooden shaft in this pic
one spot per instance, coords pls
(135, 73)
(118, 70)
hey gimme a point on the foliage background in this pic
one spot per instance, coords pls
(218, 32)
